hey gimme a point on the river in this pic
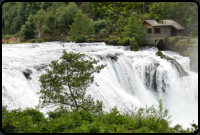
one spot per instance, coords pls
(129, 79)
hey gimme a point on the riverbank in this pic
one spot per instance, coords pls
(185, 46)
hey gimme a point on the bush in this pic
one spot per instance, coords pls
(68, 40)
(134, 28)
(32, 40)
(37, 115)
(83, 121)
(7, 36)
(57, 112)
(102, 36)
(98, 25)
(40, 40)
(80, 38)
(124, 41)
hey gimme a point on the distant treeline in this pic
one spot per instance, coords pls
(49, 19)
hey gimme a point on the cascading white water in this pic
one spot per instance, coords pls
(129, 79)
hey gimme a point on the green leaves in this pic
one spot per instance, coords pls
(98, 25)
(81, 24)
(112, 12)
(66, 81)
(195, 34)
(90, 120)
(134, 28)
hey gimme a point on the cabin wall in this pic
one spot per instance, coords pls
(165, 31)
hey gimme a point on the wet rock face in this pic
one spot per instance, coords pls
(42, 66)
(194, 64)
(112, 57)
(27, 73)
(178, 67)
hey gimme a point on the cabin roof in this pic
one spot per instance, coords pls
(168, 23)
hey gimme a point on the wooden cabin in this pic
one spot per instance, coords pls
(156, 32)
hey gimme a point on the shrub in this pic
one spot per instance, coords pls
(63, 39)
(80, 38)
(37, 115)
(134, 28)
(57, 112)
(124, 41)
(101, 36)
(98, 25)
(40, 40)
(68, 40)
(140, 120)
(7, 36)
(32, 40)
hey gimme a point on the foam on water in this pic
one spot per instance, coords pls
(130, 78)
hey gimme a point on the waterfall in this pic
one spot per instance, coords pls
(129, 79)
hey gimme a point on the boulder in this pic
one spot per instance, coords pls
(178, 67)
(27, 73)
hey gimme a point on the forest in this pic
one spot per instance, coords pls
(33, 20)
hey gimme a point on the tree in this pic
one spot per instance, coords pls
(134, 28)
(114, 11)
(45, 5)
(66, 82)
(98, 25)
(64, 16)
(28, 29)
(81, 24)
(49, 22)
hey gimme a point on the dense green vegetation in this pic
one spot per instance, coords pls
(62, 120)
(29, 20)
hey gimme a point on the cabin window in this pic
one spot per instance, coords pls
(157, 30)
(149, 31)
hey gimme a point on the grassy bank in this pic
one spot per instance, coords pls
(111, 40)
(185, 46)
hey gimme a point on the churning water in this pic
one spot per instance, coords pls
(129, 79)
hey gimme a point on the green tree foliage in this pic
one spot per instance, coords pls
(8, 16)
(79, 38)
(65, 16)
(98, 25)
(134, 29)
(22, 121)
(55, 18)
(185, 13)
(115, 11)
(39, 18)
(81, 24)
(45, 5)
(61, 120)
(49, 23)
(28, 28)
(66, 82)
